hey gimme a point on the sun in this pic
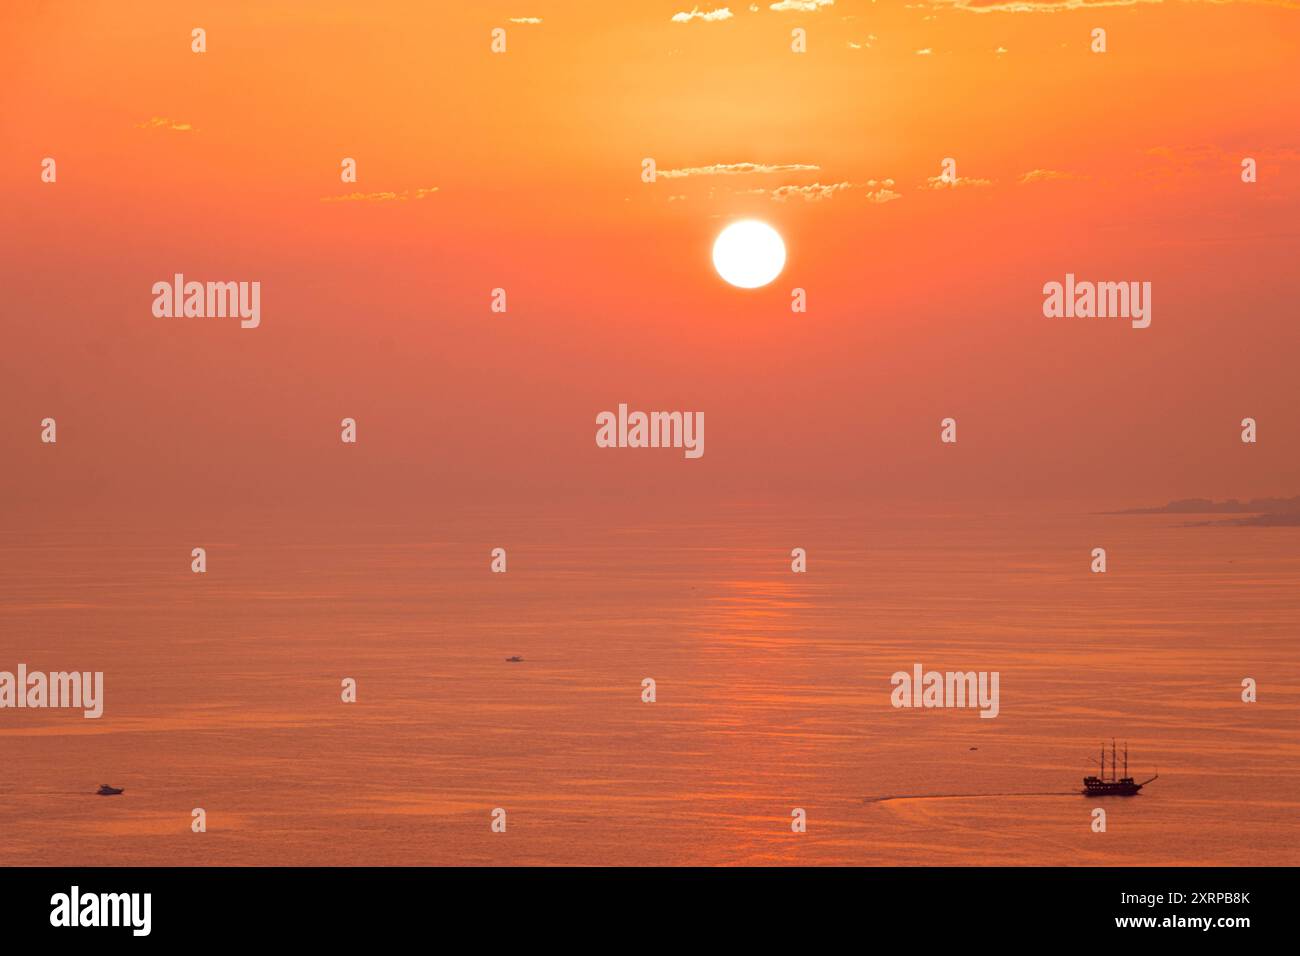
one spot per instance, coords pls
(749, 254)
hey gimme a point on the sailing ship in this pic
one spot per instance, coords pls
(106, 791)
(1116, 786)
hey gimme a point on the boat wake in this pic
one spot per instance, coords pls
(972, 796)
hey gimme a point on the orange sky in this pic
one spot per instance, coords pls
(921, 307)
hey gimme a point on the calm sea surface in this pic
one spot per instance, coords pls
(223, 691)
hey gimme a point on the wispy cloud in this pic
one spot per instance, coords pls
(813, 193)
(926, 52)
(735, 169)
(1055, 6)
(1032, 6)
(1212, 157)
(938, 182)
(885, 193)
(525, 19)
(724, 13)
(1047, 176)
(709, 16)
(1178, 167)
(403, 196)
(875, 191)
(161, 122)
(802, 6)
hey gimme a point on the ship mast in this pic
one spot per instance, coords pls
(1126, 758)
(1113, 768)
(1103, 760)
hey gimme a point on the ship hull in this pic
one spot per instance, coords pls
(1110, 788)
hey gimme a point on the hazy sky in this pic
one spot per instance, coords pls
(923, 302)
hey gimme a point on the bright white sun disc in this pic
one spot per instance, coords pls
(749, 254)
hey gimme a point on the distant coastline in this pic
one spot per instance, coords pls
(1255, 512)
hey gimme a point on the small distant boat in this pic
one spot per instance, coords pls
(514, 660)
(106, 791)
(1116, 786)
